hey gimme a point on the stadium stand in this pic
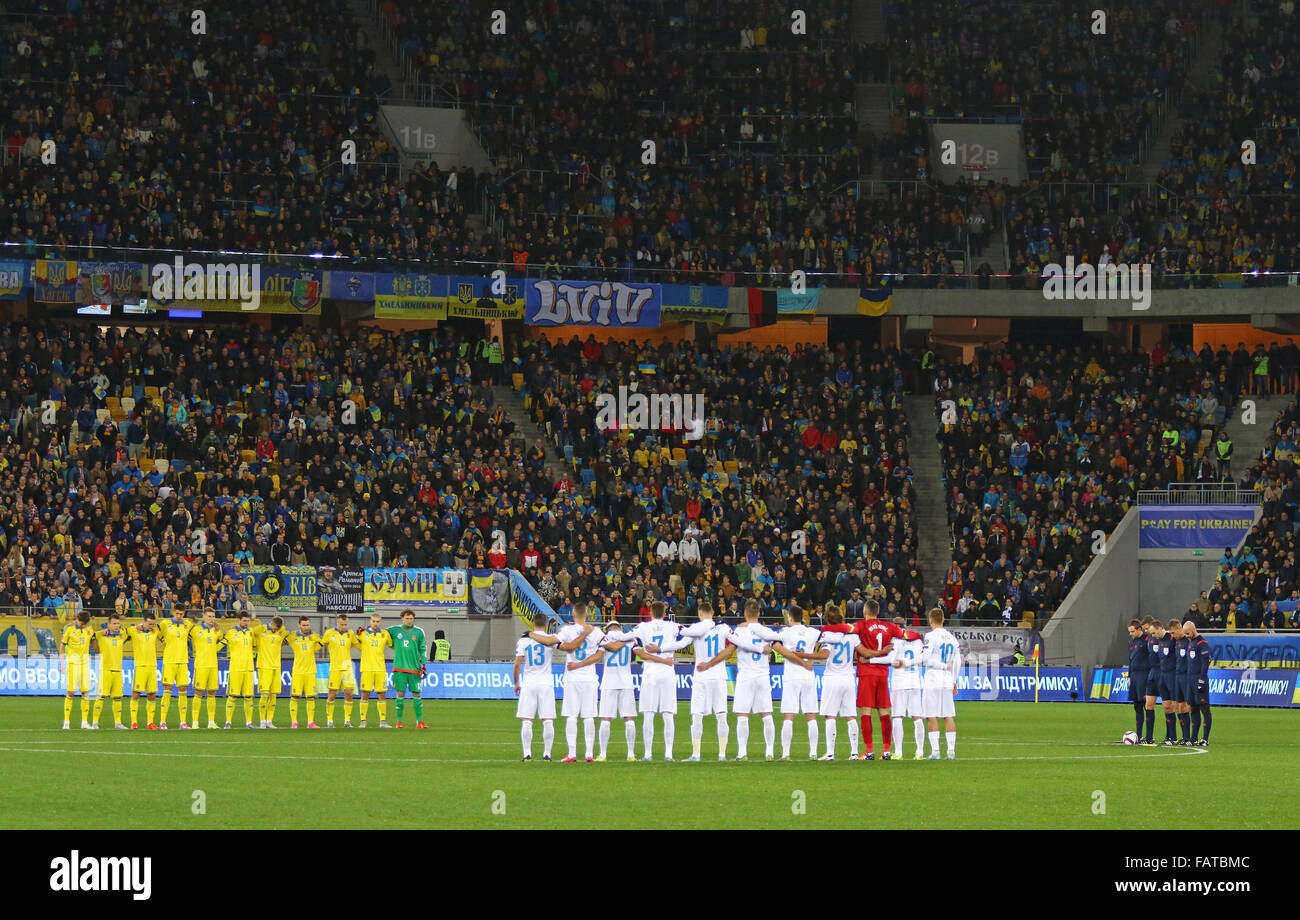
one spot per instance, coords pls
(817, 443)
(1044, 446)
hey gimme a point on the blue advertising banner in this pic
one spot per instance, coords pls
(493, 680)
(1195, 526)
(1229, 650)
(1228, 687)
(48, 676)
(13, 280)
(350, 286)
(592, 303)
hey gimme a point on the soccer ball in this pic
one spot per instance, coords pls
(1130, 737)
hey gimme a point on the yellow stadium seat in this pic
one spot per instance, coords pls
(153, 393)
(679, 454)
(731, 466)
(248, 456)
(128, 404)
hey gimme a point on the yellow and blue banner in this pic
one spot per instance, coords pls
(876, 300)
(698, 303)
(422, 297)
(417, 587)
(472, 298)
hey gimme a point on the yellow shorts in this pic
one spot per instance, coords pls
(146, 679)
(241, 684)
(205, 678)
(343, 678)
(304, 683)
(374, 680)
(110, 684)
(176, 673)
(268, 681)
(79, 673)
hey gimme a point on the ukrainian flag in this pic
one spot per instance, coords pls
(876, 301)
(648, 368)
(262, 210)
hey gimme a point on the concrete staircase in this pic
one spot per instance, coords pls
(871, 100)
(1206, 59)
(368, 36)
(935, 550)
(523, 419)
(1249, 440)
(868, 21)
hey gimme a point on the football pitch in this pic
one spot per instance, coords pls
(1018, 765)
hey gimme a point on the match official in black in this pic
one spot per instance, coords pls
(1138, 665)
(1198, 669)
(1182, 693)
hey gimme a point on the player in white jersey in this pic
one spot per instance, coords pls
(798, 682)
(905, 691)
(659, 641)
(580, 641)
(752, 641)
(839, 681)
(617, 696)
(942, 660)
(708, 687)
(536, 692)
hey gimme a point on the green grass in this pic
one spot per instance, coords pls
(1019, 766)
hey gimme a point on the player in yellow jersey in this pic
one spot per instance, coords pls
(144, 649)
(373, 641)
(206, 639)
(111, 642)
(175, 633)
(76, 651)
(240, 646)
(268, 640)
(341, 642)
(305, 644)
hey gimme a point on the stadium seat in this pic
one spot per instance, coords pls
(161, 465)
(128, 404)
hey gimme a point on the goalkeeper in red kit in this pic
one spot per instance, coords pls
(877, 638)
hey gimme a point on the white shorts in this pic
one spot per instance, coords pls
(907, 703)
(536, 701)
(618, 703)
(753, 694)
(800, 696)
(936, 703)
(579, 700)
(708, 697)
(839, 698)
(659, 694)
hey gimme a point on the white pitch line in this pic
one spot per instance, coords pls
(242, 756)
(26, 750)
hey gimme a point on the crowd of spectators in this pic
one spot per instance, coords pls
(797, 490)
(1258, 587)
(1045, 446)
(175, 457)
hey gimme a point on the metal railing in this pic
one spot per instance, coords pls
(1200, 493)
